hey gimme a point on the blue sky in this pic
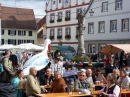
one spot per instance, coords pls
(37, 5)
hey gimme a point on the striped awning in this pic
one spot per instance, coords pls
(115, 48)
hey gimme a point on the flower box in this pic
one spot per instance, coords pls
(51, 37)
(59, 20)
(67, 19)
(51, 21)
(59, 37)
(67, 37)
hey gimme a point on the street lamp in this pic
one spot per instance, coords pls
(91, 12)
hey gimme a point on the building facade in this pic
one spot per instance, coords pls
(41, 33)
(61, 21)
(18, 26)
(108, 25)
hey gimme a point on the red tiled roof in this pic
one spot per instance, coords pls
(41, 22)
(18, 18)
(37, 19)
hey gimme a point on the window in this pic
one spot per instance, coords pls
(102, 27)
(68, 14)
(2, 41)
(21, 41)
(53, 2)
(68, 31)
(30, 41)
(21, 32)
(12, 41)
(113, 25)
(90, 28)
(91, 48)
(118, 4)
(125, 24)
(30, 33)
(59, 1)
(101, 46)
(59, 32)
(52, 16)
(78, 11)
(12, 32)
(104, 6)
(59, 15)
(2, 32)
(51, 32)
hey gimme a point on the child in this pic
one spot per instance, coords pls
(70, 87)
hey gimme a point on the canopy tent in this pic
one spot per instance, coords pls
(115, 48)
(7, 46)
(29, 46)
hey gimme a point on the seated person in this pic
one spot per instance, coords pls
(16, 82)
(47, 79)
(32, 84)
(111, 89)
(58, 85)
(90, 77)
(124, 80)
(100, 77)
(81, 83)
(116, 73)
(127, 68)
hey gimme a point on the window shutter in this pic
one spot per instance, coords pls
(30, 33)
(33, 41)
(24, 33)
(8, 41)
(18, 32)
(27, 41)
(15, 42)
(18, 42)
(15, 32)
(2, 41)
(3, 32)
(24, 41)
(8, 32)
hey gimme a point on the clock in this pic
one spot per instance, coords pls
(66, 2)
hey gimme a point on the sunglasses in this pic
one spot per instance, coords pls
(82, 75)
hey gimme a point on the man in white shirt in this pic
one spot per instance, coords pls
(124, 80)
(57, 66)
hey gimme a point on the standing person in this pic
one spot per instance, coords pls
(127, 60)
(110, 67)
(8, 73)
(32, 84)
(24, 59)
(6, 87)
(121, 60)
(57, 66)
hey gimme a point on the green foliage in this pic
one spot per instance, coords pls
(79, 59)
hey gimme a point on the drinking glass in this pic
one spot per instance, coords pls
(72, 88)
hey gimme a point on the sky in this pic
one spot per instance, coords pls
(37, 5)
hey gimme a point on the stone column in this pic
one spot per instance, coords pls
(81, 28)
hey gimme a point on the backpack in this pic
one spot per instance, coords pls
(1, 68)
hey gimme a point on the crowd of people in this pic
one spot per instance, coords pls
(13, 83)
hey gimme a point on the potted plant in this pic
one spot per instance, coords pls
(67, 36)
(59, 20)
(67, 18)
(51, 37)
(59, 37)
(51, 21)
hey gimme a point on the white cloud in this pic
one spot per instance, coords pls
(37, 5)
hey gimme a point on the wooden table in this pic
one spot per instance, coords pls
(76, 94)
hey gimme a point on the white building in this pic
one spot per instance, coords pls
(108, 25)
(61, 21)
